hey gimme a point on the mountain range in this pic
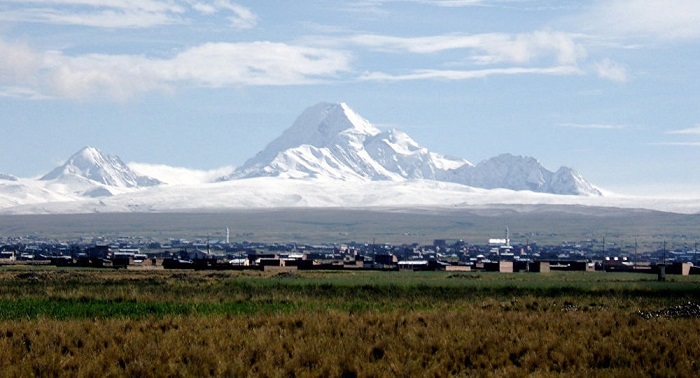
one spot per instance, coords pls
(328, 146)
(331, 140)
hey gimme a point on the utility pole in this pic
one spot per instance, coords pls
(662, 267)
(604, 249)
(664, 252)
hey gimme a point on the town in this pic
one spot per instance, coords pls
(495, 254)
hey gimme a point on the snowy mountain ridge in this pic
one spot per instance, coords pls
(524, 173)
(327, 147)
(332, 141)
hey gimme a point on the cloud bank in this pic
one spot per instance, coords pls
(53, 73)
(32, 73)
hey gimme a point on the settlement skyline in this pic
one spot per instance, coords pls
(606, 87)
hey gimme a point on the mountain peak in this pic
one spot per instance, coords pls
(321, 124)
(89, 152)
(92, 164)
(88, 157)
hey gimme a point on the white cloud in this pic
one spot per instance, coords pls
(469, 74)
(593, 126)
(689, 131)
(95, 13)
(677, 144)
(146, 5)
(659, 19)
(374, 6)
(455, 3)
(255, 63)
(610, 70)
(33, 74)
(241, 18)
(22, 92)
(203, 8)
(364, 7)
(180, 175)
(18, 62)
(122, 13)
(55, 73)
(115, 76)
(489, 48)
(120, 77)
(695, 130)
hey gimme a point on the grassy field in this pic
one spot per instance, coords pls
(86, 322)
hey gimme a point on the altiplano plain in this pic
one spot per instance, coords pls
(535, 224)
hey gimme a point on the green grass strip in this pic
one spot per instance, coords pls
(80, 309)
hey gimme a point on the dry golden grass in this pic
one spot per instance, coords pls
(484, 340)
(339, 325)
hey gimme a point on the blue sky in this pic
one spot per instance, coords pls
(610, 88)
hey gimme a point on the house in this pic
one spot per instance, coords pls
(8, 256)
(499, 266)
(386, 259)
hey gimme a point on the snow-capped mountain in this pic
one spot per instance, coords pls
(339, 160)
(332, 141)
(108, 170)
